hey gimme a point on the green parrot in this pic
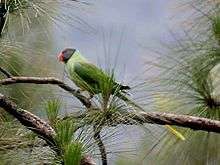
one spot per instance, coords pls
(90, 78)
(85, 75)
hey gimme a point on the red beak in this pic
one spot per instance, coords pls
(60, 57)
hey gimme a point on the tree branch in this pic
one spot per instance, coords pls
(192, 122)
(99, 142)
(35, 124)
(162, 118)
(45, 131)
(29, 120)
(47, 80)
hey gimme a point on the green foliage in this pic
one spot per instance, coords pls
(16, 5)
(64, 133)
(24, 147)
(29, 14)
(15, 65)
(70, 145)
(73, 154)
(70, 149)
(52, 109)
(108, 116)
(216, 27)
(109, 88)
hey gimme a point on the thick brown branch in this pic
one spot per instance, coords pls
(47, 80)
(137, 118)
(35, 124)
(32, 122)
(195, 123)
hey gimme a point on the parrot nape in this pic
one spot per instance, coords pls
(90, 78)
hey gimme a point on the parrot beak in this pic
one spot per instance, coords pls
(60, 57)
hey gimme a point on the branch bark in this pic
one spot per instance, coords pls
(35, 124)
(47, 80)
(192, 122)
(29, 120)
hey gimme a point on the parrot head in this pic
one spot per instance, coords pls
(66, 54)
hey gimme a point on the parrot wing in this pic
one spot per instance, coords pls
(89, 74)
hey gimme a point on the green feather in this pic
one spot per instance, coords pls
(87, 76)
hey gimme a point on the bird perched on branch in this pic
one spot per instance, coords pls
(86, 75)
(90, 78)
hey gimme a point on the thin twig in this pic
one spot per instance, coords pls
(99, 142)
(5, 72)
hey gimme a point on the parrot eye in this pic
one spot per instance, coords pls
(67, 53)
